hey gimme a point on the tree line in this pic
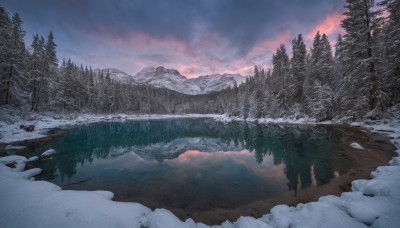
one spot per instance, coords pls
(360, 78)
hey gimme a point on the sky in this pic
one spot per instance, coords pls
(196, 37)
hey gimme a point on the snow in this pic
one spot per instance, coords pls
(14, 147)
(48, 153)
(227, 119)
(27, 203)
(172, 79)
(356, 146)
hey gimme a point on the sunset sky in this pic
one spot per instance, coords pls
(196, 37)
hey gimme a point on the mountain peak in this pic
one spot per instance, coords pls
(160, 70)
(163, 70)
(172, 79)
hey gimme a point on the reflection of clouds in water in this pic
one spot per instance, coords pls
(195, 164)
(297, 156)
(215, 160)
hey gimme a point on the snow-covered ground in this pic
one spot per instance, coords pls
(227, 119)
(28, 203)
(10, 133)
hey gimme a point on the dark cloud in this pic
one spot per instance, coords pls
(243, 23)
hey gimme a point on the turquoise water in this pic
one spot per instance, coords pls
(194, 164)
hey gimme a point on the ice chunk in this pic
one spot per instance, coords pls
(48, 153)
(31, 159)
(356, 146)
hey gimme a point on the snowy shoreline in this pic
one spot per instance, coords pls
(12, 133)
(26, 203)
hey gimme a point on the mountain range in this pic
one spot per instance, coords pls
(172, 79)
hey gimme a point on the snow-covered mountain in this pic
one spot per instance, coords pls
(217, 82)
(161, 77)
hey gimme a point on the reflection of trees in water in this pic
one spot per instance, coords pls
(300, 148)
(304, 150)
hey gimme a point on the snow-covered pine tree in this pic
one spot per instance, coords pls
(13, 80)
(256, 104)
(326, 63)
(392, 48)
(51, 70)
(339, 60)
(298, 68)
(360, 85)
(312, 70)
(256, 71)
(319, 81)
(35, 70)
(280, 77)
(5, 52)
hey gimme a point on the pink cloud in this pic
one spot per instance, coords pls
(330, 26)
(270, 45)
(144, 42)
(206, 54)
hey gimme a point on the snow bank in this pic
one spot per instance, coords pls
(14, 147)
(26, 203)
(227, 119)
(356, 146)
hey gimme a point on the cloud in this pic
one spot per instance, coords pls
(329, 26)
(196, 37)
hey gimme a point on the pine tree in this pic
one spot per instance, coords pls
(298, 62)
(51, 54)
(361, 82)
(313, 70)
(339, 59)
(392, 45)
(326, 63)
(256, 104)
(35, 70)
(12, 60)
(51, 70)
(319, 80)
(280, 76)
(256, 71)
(5, 53)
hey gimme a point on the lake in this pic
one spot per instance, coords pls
(193, 165)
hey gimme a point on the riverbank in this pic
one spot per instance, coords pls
(373, 202)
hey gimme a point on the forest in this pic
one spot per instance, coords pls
(358, 77)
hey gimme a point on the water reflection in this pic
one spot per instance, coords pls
(232, 163)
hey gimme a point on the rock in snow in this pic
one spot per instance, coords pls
(356, 146)
(48, 153)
